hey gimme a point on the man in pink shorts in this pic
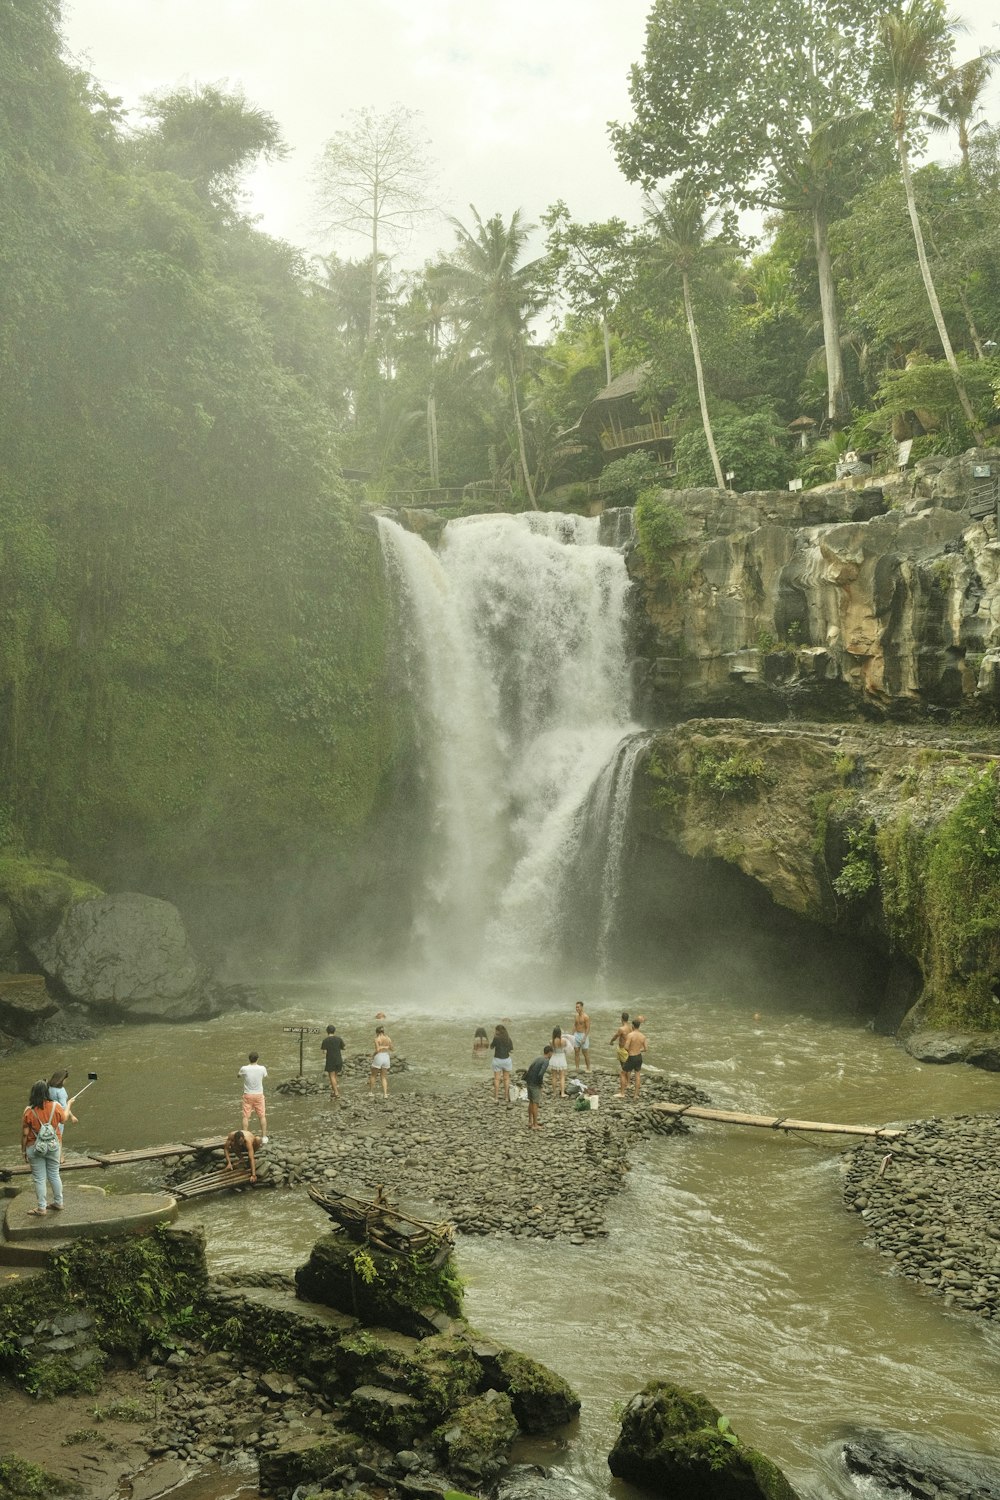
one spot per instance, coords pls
(253, 1074)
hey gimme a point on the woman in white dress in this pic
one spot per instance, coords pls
(558, 1062)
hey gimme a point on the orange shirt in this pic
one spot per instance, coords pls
(31, 1118)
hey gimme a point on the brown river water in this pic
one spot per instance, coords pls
(730, 1267)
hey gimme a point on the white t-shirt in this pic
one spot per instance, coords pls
(253, 1075)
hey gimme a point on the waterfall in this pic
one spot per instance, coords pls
(514, 644)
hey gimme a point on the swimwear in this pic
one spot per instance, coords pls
(632, 1064)
(581, 1040)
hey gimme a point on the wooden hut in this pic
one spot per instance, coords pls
(620, 424)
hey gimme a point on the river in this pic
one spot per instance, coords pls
(730, 1265)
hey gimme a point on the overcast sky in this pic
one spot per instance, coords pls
(514, 97)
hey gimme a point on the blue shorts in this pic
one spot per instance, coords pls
(503, 1065)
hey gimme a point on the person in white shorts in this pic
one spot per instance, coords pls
(581, 1036)
(380, 1060)
(502, 1048)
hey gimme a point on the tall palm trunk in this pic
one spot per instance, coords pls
(373, 285)
(700, 378)
(432, 440)
(520, 435)
(837, 405)
(932, 296)
(606, 332)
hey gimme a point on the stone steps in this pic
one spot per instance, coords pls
(27, 1240)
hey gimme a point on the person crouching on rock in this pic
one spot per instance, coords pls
(241, 1143)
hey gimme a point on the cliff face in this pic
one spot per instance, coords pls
(878, 821)
(887, 837)
(880, 602)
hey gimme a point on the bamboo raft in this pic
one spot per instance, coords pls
(774, 1122)
(212, 1182)
(375, 1222)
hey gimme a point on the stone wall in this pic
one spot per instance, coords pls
(883, 602)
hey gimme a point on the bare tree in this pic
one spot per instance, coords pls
(373, 178)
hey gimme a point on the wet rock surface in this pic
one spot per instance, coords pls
(429, 1152)
(931, 1205)
(908, 1465)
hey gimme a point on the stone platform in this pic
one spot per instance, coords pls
(88, 1212)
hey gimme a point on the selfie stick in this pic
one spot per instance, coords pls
(86, 1086)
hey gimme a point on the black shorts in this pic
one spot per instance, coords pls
(632, 1064)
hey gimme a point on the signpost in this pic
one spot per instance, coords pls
(302, 1031)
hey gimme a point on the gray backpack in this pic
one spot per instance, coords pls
(47, 1141)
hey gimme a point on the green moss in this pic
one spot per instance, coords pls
(38, 891)
(962, 902)
(137, 1289)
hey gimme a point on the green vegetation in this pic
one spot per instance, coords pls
(193, 625)
(659, 527)
(961, 894)
(739, 776)
(858, 874)
(20, 1480)
(135, 1289)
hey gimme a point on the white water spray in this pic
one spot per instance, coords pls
(515, 643)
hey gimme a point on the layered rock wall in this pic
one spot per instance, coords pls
(883, 602)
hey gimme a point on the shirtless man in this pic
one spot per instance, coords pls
(581, 1036)
(635, 1046)
(239, 1142)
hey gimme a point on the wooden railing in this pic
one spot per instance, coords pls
(655, 430)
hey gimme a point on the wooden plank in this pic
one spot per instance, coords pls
(774, 1122)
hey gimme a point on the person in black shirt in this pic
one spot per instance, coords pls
(502, 1047)
(332, 1047)
(534, 1078)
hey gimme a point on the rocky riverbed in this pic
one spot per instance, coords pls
(931, 1204)
(461, 1156)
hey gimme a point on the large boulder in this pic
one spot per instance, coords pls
(24, 1003)
(128, 957)
(674, 1442)
(382, 1290)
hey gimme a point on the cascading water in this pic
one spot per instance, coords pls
(515, 643)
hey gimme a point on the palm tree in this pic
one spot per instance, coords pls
(960, 94)
(916, 41)
(684, 249)
(492, 300)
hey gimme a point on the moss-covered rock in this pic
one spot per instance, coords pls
(438, 1373)
(384, 1290)
(541, 1399)
(39, 894)
(476, 1438)
(303, 1458)
(674, 1442)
